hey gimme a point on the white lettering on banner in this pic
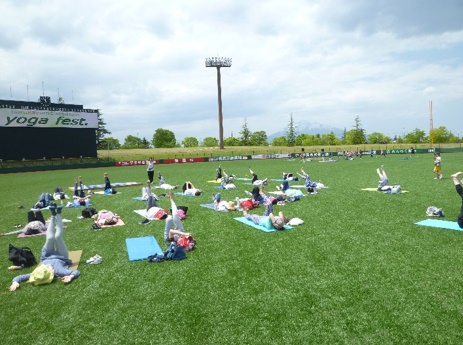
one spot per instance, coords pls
(55, 119)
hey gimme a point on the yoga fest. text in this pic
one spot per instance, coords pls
(60, 119)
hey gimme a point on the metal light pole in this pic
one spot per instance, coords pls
(217, 63)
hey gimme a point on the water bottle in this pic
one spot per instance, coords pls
(15, 268)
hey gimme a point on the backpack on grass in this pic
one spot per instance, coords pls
(21, 256)
(88, 212)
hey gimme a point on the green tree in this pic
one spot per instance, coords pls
(312, 140)
(329, 139)
(442, 135)
(132, 142)
(378, 138)
(279, 141)
(300, 138)
(164, 138)
(416, 136)
(190, 142)
(245, 134)
(232, 141)
(101, 130)
(344, 135)
(357, 135)
(110, 144)
(259, 138)
(291, 132)
(210, 142)
(145, 143)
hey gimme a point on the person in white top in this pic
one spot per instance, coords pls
(190, 190)
(437, 166)
(150, 169)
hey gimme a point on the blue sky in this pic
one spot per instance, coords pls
(326, 61)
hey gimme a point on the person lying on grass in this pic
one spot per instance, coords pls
(35, 224)
(174, 230)
(79, 198)
(55, 260)
(105, 217)
(223, 205)
(227, 181)
(268, 219)
(146, 192)
(255, 180)
(190, 190)
(383, 180)
(163, 184)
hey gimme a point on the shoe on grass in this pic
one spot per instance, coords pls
(96, 260)
(93, 258)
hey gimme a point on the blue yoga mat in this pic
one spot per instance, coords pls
(180, 193)
(139, 248)
(211, 206)
(139, 198)
(259, 227)
(442, 224)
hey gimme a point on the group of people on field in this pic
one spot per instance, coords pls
(54, 259)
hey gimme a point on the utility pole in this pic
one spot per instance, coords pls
(217, 63)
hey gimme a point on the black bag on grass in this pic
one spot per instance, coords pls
(21, 256)
(88, 212)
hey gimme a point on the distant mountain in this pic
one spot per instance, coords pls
(305, 127)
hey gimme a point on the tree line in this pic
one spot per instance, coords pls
(164, 138)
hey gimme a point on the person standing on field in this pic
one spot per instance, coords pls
(150, 169)
(437, 166)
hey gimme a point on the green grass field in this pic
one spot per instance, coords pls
(358, 271)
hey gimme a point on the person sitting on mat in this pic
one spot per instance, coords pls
(174, 229)
(55, 260)
(268, 219)
(190, 190)
(459, 189)
(108, 189)
(219, 172)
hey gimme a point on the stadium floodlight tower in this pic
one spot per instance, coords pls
(218, 62)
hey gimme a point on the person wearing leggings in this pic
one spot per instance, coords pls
(174, 229)
(54, 261)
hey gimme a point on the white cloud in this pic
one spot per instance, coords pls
(142, 62)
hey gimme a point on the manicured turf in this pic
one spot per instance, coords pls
(358, 271)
